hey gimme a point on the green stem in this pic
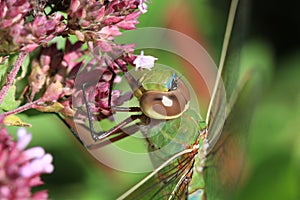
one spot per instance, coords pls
(22, 108)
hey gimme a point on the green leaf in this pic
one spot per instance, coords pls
(24, 67)
(5, 67)
(13, 120)
(73, 39)
(59, 41)
(55, 107)
(10, 102)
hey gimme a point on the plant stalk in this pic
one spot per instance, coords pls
(12, 75)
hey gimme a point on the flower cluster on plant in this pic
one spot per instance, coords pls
(43, 46)
(26, 25)
(20, 168)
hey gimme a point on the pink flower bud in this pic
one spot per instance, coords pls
(23, 138)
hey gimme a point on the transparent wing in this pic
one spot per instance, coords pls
(226, 161)
(168, 181)
(226, 157)
(226, 82)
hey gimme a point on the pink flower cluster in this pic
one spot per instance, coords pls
(28, 24)
(53, 75)
(16, 34)
(25, 25)
(101, 21)
(20, 169)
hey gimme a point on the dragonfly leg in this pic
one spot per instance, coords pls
(133, 83)
(103, 138)
(103, 135)
(75, 134)
(119, 131)
(88, 110)
(111, 83)
(97, 137)
(125, 109)
(122, 133)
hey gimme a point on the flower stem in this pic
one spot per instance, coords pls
(12, 75)
(22, 108)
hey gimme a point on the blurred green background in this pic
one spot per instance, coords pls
(273, 161)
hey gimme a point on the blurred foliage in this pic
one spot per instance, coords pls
(274, 138)
(272, 170)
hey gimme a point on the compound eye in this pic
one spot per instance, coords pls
(163, 105)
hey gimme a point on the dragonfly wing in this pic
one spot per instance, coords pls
(227, 75)
(168, 181)
(226, 160)
(216, 118)
(226, 124)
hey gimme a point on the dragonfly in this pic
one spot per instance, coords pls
(183, 175)
(195, 148)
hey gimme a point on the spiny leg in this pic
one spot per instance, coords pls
(75, 134)
(102, 135)
(88, 110)
(97, 137)
(111, 83)
(122, 133)
(134, 84)
(126, 109)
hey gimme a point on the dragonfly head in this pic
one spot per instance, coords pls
(166, 105)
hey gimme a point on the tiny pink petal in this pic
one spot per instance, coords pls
(23, 138)
(41, 195)
(110, 31)
(4, 191)
(38, 166)
(27, 170)
(118, 79)
(35, 181)
(34, 152)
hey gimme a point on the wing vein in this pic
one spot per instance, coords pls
(232, 11)
(156, 171)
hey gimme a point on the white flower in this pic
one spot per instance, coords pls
(143, 6)
(144, 62)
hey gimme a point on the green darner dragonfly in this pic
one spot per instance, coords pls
(185, 169)
(195, 148)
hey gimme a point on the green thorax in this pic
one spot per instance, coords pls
(158, 79)
(197, 184)
(173, 136)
